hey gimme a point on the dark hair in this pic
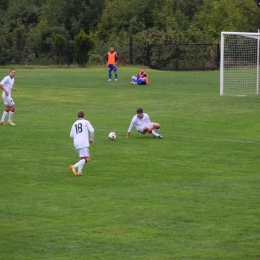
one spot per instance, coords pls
(12, 69)
(81, 114)
(139, 111)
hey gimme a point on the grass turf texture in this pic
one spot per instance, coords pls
(192, 195)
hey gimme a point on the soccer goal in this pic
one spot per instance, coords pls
(239, 63)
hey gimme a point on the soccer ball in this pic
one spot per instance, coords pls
(112, 136)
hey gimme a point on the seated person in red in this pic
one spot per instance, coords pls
(141, 78)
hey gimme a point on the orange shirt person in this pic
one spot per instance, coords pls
(141, 78)
(111, 63)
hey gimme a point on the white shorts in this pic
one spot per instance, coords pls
(8, 101)
(150, 125)
(83, 152)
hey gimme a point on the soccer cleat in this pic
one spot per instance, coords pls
(10, 123)
(109, 79)
(73, 170)
(115, 79)
(79, 174)
(160, 136)
(2, 123)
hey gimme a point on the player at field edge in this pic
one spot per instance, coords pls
(142, 123)
(7, 85)
(111, 63)
(80, 134)
(141, 78)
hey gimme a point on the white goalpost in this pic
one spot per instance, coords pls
(239, 63)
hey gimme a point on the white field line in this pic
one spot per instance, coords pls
(164, 134)
(217, 139)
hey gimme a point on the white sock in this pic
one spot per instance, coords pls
(4, 116)
(11, 113)
(154, 133)
(80, 163)
(156, 130)
(80, 169)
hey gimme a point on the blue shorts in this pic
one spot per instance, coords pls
(141, 82)
(112, 67)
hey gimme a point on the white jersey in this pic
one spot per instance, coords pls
(139, 123)
(79, 132)
(8, 83)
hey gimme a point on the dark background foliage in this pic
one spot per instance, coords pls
(29, 28)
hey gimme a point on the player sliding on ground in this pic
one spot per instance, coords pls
(142, 123)
(79, 133)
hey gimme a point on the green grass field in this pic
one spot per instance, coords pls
(193, 195)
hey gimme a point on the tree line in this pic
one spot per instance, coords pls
(40, 32)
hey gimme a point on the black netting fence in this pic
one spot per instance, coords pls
(183, 56)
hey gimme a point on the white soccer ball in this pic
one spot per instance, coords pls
(112, 136)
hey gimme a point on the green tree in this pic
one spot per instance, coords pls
(225, 15)
(83, 14)
(1, 47)
(15, 23)
(41, 38)
(188, 8)
(130, 16)
(83, 45)
(73, 14)
(3, 4)
(59, 43)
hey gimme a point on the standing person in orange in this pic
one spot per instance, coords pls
(111, 63)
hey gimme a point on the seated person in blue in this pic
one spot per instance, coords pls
(141, 78)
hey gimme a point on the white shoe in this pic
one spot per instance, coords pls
(109, 80)
(115, 79)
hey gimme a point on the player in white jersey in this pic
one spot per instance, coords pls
(80, 134)
(7, 85)
(142, 123)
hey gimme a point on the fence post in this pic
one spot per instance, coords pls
(218, 56)
(68, 51)
(176, 55)
(147, 56)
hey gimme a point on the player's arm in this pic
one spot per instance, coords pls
(130, 127)
(91, 140)
(2, 87)
(72, 132)
(116, 58)
(15, 89)
(91, 130)
(146, 78)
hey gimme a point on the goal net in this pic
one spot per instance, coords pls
(239, 63)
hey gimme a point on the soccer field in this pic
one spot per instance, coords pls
(192, 195)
